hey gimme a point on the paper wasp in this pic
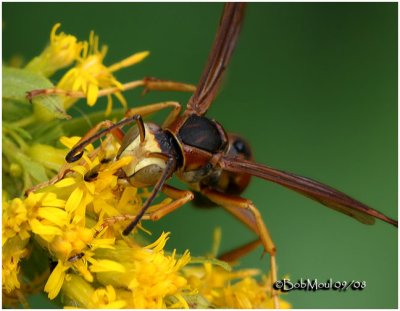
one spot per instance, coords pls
(216, 164)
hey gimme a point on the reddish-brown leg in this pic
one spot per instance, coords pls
(149, 84)
(247, 213)
(147, 110)
(238, 252)
(61, 174)
(180, 197)
(155, 84)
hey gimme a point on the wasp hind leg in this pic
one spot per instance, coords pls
(180, 198)
(247, 213)
(238, 252)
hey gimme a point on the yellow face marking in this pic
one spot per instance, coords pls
(149, 161)
(139, 150)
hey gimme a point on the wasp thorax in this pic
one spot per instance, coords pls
(146, 167)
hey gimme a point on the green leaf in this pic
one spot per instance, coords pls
(16, 84)
(47, 133)
(14, 110)
(23, 133)
(195, 301)
(34, 169)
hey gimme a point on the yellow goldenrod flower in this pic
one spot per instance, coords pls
(75, 219)
(106, 265)
(132, 276)
(82, 191)
(79, 293)
(90, 74)
(62, 51)
(98, 192)
(15, 220)
(249, 294)
(56, 280)
(150, 274)
(13, 251)
(227, 290)
(209, 280)
(97, 267)
(62, 232)
(105, 298)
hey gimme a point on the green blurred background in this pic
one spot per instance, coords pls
(314, 89)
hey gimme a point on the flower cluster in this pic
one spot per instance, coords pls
(89, 74)
(95, 265)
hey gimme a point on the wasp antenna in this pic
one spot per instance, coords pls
(157, 188)
(142, 130)
(72, 157)
(77, 151)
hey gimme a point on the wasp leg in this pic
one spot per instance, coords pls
(64, 170)
(235, 254)
(149, 109)
(180, 198)
(148, 83)
(247, 213)
(53, 91)
(155, 84)
(60, 175)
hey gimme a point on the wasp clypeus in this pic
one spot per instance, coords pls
(216, 164)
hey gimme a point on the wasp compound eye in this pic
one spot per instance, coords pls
(240, 146)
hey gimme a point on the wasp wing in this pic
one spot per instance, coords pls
(218, 59)
(312, 189)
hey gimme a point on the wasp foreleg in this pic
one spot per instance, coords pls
(147, 110)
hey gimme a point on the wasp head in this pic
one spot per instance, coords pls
(146, 166)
